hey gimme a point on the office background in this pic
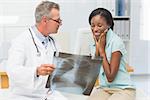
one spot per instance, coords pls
(18, 15)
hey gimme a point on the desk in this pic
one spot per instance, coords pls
(5, 92)
(74, 96)
(140, 95)
(5, 84)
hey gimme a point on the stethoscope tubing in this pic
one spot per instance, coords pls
(37, 49)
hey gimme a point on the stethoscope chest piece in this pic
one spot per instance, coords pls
(38, 54)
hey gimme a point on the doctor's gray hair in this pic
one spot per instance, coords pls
(43, 9)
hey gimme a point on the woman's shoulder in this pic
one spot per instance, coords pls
(116, 39)
(113, 38)
(118, 45)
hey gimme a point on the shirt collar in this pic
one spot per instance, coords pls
(39, 35)
(109, 36)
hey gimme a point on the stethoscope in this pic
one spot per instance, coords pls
(37, 49)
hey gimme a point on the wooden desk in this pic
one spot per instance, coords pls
(4, 81)
(5, 94)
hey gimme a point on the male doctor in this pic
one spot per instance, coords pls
(30, 59)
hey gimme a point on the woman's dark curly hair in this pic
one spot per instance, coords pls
(105, 13)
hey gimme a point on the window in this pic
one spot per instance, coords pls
(145, 20)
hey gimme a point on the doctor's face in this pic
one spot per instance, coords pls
(53, 22)
(98, 25)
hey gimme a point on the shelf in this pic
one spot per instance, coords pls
(121, 17)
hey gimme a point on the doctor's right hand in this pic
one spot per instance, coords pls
(45, 69)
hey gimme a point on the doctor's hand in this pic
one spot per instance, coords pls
(45, 69)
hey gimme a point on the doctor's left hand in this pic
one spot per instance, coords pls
(45, 69)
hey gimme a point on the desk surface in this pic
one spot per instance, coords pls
(74, 96)
(140, 95)
(4, 93)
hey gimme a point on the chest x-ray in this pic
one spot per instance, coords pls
(74, 74)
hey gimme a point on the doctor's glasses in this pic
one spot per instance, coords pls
(59, 21)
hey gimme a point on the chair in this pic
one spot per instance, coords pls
(4, 83)
(129, 68)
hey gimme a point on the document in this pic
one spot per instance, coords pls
(56, 95)
(74, 73)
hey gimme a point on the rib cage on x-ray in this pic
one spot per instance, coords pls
(74, 74)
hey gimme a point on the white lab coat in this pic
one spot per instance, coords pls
(23, 62)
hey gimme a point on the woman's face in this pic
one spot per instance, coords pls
(98, 25)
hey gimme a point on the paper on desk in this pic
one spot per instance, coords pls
(7, 95)
(56, 95)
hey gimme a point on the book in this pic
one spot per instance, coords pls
(121, 8)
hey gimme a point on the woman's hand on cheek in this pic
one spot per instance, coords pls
(96, 45)
(102, 42)
(102, 45)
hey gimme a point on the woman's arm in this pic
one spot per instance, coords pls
(112, 68)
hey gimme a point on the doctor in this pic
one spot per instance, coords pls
(31, 54)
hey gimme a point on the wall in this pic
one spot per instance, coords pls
(74, 14)
(138, 48)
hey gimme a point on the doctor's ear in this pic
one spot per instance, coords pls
(44, 19)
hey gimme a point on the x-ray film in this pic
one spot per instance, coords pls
(74, 73)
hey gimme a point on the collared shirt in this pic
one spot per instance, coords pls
(44, 40)
(122, 79)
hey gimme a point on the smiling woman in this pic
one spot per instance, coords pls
(115, 82)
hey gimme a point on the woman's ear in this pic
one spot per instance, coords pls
(108, 27)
